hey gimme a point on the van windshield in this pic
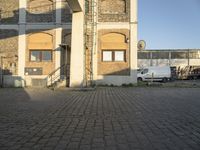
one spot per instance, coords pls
(144, 71)
(139, 70)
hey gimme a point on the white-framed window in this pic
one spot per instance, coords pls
(107, 56)
(119, 55)
(113, 55)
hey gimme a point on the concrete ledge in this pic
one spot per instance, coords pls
(12, 81)
(74, 5)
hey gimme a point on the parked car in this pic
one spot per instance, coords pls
(154, 74)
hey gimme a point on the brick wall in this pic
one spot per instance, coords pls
(40, 11)
(113, 68)
(9, 11)
(113, 10)
(48, 67)
(9, 50)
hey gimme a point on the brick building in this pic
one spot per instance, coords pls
(40, 43)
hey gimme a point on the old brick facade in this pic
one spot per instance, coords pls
(40, 11)
(113, 10)
(114, 68)
(47, 67)
(9, 11)
(54, 18)
(9, 51)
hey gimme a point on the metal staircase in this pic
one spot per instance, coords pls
(90, 40)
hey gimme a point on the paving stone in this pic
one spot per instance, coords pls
(106, 118)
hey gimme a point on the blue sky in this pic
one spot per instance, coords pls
(167, 24)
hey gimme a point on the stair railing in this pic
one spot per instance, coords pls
(56, 75)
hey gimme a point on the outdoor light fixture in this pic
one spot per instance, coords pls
(127, 40)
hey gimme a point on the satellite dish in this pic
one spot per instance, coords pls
(141, 45)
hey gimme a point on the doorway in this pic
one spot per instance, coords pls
(65, 64)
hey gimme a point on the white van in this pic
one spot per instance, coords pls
(154, 74)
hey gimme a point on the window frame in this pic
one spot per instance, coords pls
(124, 56)
(113, 55)
(40, 55)
(103, 55)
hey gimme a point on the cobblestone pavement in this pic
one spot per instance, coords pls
(107, 118)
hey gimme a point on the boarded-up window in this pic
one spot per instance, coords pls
(40, 41)
(113, 41)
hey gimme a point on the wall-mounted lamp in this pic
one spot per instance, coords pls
(127, 40)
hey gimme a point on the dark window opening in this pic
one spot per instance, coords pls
(144, 55)
(160, 55)
(179, 55)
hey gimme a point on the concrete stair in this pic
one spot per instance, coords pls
(60, 83)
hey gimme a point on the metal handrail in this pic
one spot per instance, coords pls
(53, 77)
(53, 72)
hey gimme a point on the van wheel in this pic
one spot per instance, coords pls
(164, 80)
(139, 79)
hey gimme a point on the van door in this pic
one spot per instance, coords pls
(145, 74)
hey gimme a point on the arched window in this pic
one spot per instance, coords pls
(113, 41)
(113, 6)
(40, 40)
(40, 47)
(113, 46)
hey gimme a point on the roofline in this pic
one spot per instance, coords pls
(192, 49)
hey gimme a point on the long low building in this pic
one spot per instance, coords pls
(169, 57)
